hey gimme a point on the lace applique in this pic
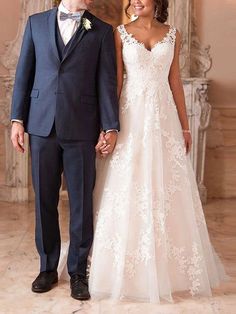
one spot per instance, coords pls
(121, 159)
(190, 265)
(140, 256)
(125, 37)
(128, 38)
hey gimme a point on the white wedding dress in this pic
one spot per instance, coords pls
(151, 237)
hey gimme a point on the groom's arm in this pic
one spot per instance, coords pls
(21, 94)
(24, 77)
(107, 83)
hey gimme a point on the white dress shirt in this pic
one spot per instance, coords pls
(68, 27)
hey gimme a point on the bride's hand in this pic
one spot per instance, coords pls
(101, 145)
(187, 141)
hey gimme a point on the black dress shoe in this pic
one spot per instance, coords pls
(79, 287)
(45, 281)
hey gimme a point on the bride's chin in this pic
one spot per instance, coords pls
(138, 12)
(141, 14)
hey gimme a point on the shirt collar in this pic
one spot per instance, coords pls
(63, 9)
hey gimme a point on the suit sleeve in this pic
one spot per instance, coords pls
(107, 84)
(24, 78)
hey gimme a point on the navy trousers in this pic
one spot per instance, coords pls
(50, 157)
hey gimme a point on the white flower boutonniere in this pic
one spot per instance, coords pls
(87, 24)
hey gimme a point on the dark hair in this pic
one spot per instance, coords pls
(162, 10)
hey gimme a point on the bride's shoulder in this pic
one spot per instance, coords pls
(121, 30)
(123, 33)
(174, 32)
(171, 31)
(119, 33)
(119, 27)
(126, 27)
(165, 26)
(171, 28)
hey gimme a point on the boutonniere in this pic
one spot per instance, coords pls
(87, 24)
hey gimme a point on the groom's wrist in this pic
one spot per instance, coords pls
(111, 130)
(17, 120)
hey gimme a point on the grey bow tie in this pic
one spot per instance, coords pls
(73, 16)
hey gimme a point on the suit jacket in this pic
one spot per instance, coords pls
(77, 92)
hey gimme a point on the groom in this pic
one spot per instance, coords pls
(65, 93)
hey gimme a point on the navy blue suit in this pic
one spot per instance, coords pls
(65, 95)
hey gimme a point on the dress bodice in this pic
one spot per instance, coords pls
(147, 66)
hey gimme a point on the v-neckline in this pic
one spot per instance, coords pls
(142, 43)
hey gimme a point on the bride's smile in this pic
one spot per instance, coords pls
(142, 8)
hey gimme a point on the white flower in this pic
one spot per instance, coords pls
(87, 24)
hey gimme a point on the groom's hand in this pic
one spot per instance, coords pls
(17, 136)
(111, 138)
(101, 144)
(106, 143)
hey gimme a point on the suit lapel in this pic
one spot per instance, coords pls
(78, 36)
(52, 31)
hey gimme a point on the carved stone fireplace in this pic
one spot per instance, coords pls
(195, 62)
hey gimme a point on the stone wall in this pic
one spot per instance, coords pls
(216, 27)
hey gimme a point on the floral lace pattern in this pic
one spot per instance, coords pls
(128, 38)
(150, 235)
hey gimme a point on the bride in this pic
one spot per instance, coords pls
(151, 237)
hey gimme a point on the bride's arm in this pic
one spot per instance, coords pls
(176, 86)
(119, 60)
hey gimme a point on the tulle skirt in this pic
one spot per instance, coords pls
(151, 237)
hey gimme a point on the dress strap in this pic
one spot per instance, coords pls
(124, 35)
(121, 29)
(172, 34)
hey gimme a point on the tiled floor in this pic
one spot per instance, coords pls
(19, 266)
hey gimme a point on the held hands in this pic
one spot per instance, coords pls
(106, 143)
(17, 136)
